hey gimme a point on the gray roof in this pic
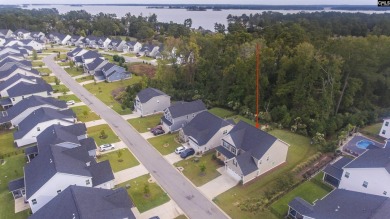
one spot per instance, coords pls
(90, 55)
(16, 69)
(101, 173)
(336, 169)
(5, 84)
(16, 184)
(74, 51)
(148, 93)
(31, 150)
(24, 88)
(246, 163)
(110, 69)
(41, 115)
(95, 63)
(186, 108)
(21, 63)
(56, 134)
(341, 204)
(203, 127)
(225, 152)
(375, 158)
(7, 55)
(4, 31)
(87, 203)
(88, 143)
(29, 102)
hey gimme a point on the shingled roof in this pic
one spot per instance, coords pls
(148, 93)
(185, 108)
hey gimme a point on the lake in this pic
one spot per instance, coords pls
(205, 19)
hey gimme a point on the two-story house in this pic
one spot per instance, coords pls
(385, 130)
(113, 72)
(132, 47)
(94, 66)
(6, 33)
(179, 114)
(205, 132)
(14, 69)
(8, 63)
(35, 44)
(89, 56)
(39, 36)
(8, 84)
(150, 101)
(22, 34)
(75, 41)
(249, 152)
(116, 45)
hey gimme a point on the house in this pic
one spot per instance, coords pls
(59, 38)
(113, 72)
(249, 152)
(151, 51)
(56, 168)
(116, 45)
(96, 42)
(179, 114)
(17, 57)
(205, 132)
(2, 41)
(385, 130)
(12, 71)
(75, 41)
(40, 119)
(133, 47)
(25, 107)
(89, 56)
(7, 63)
(4, 86)
(333, 172)
(341, 204)
(94, 66)
(38, 36)
(22, 34)
(76, 202)
(6, 33)
(150, 101)
(37, 45)
(13, 50)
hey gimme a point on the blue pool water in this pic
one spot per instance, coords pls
(363, 144)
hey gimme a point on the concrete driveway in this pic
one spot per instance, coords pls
(118, 145)
(147, 135)
(218, 185)
(95, 123)
(173, 158)
(129, 174)
(168, 210)
(131, 116)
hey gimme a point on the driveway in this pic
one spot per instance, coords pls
(129, 174)
(95, 123)
(189, 199)
(173, 158)
(131, 116)
(118, 145)
(147, 135)
(168, 210)
(218, 185)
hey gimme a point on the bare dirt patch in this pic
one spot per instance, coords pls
(141, 69)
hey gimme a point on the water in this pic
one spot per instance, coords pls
(363, 144)
(205, 19)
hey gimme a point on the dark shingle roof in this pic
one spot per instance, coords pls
(74, 51)
(185, 108)
(203, 127)
(246, 163)
(148, 93)
(375, 158)
(56, 134)
(90, 55)
(21, 63)
(225, 152)
(101, 173)
(24, 88)
(16, 184)
(87, 203)
(88, 143)
(16, 69)
(335, 169)
(95, 63)
(17, 77)
(31, 150)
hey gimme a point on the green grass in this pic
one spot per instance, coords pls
(299, 150)
(238, 118)
(181, 217)
(56, 50)
(45, 70)
(63, 63)
(143, 123)
(80, 110)
(74, 71)
(103, 92)
(310, 191)
(165, 144)
(146, 58)
(69, 97)
(49, 79)
(108, 57)
(373, 129)
(7, 142)
(129, 54)
(120, 159)
(60, 88)
(192, 169)
(156, 196)
(10, 170)
(94, 132)
(86, 78)
(37, 64)
(62, 56)
(223, 113)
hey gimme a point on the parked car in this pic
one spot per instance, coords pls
(179, 149)
(158, 132)
(155, 128)
(107, 147)
(70, 102)
(187, 152)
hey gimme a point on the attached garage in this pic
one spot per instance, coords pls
(233, 174)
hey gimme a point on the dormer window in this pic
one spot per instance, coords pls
(58, 191)
(87, 182)
(34, 201)
(224, 132)
(346, 175)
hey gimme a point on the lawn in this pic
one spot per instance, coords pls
(49, 79)
(238, 118)
(60, 88)
(7, 142)
(103, 91)
(142, 124)
(192, 168)
(95, 132)
(156, 196)
(120, 159)
(141, 69)
(181, 217)
(62, 56)
(84, 114)
(69, 97)
(10, 170)
(74, 71)
(165, 144)
(373, 129)
(45, 70)
(129, 54)
(146, 58)
(85, 78)
(223, 113)
(108, 57)
(310, 191)
(56, 50)
(37, 64)
(298, 152)
(60, 63)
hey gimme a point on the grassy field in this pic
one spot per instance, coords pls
(7, 142)
(69, 97)
(86, 78)
(45, 70)
(60, 88)
(103, 91)
(74, 71)
(192, 169)
(165, 144)
(223, 113)
(141, 69)
(373, 129)
(62, 56)
(10, 170)
(95, 132)
(49, 79)
(298, 152)
(142, 124)
(120, 159)
(155, 198)
(37, 64)
(80, 110)
(129, 54)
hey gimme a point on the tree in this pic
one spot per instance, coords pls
(103, 134)
(146, 190)
(202, 168)
(188, 22)
(34, 55)
(71, 64)
(56, 81)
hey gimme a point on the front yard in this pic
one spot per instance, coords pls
(37, 64)
(120, 159)
(143, 124)
(49, 79)
(233, 200)
(193, 168)
(85, 78)
(95, 132)
(75, 71)
(104, 90)
(69, 97)
(60, 88)
(45, 70)
(145, 200)
(165, 144)
(84, 114)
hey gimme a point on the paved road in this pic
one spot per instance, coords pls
(189, 199)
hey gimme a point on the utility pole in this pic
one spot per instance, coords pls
(257, 84)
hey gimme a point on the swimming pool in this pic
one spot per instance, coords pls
(363, 144)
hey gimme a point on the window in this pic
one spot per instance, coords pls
(346, 175)
(58, 191)
(34, 201)
(233, 149)
(87, 182)
(383, 132)
(365, 184)
(384, 193)
(225, 131)
(386, 123)
(259, 161)
(38, 129)
(13, 99)
(193, 115)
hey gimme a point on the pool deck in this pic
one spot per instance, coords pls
(351, 148)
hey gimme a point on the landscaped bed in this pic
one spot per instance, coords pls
(145, 200)
(165, 144)
(95, 132)
(84, 114)
(143, 124)
(120, 159)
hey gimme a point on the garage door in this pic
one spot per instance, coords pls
(233, 174)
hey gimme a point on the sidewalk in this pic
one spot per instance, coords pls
(147, 135)
(168, 210)
(129, 174)
(95, 123)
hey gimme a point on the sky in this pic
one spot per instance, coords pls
(256, 2)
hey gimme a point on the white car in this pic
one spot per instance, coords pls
(180, 149)
(70, 102)
(107, 147)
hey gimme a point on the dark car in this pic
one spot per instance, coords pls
(159, 127)
(187, 152)
(158, 132)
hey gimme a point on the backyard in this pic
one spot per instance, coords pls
(223, 113)
(230, 201)
(143, 124)
(95, 132)
(373, 129)
(120, 159)
(165, 144)
(145, 200)
(104, 90)
(84, 114)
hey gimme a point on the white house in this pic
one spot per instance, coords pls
(132, 47)
(22, 34)
(150, 101)
(385, 130)
(36, 45)
(4, 86)
(23, 90)
(6, 33)
(7, 74)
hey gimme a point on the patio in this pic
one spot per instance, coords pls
(351, 147)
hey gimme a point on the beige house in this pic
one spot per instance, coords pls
(249, 152)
